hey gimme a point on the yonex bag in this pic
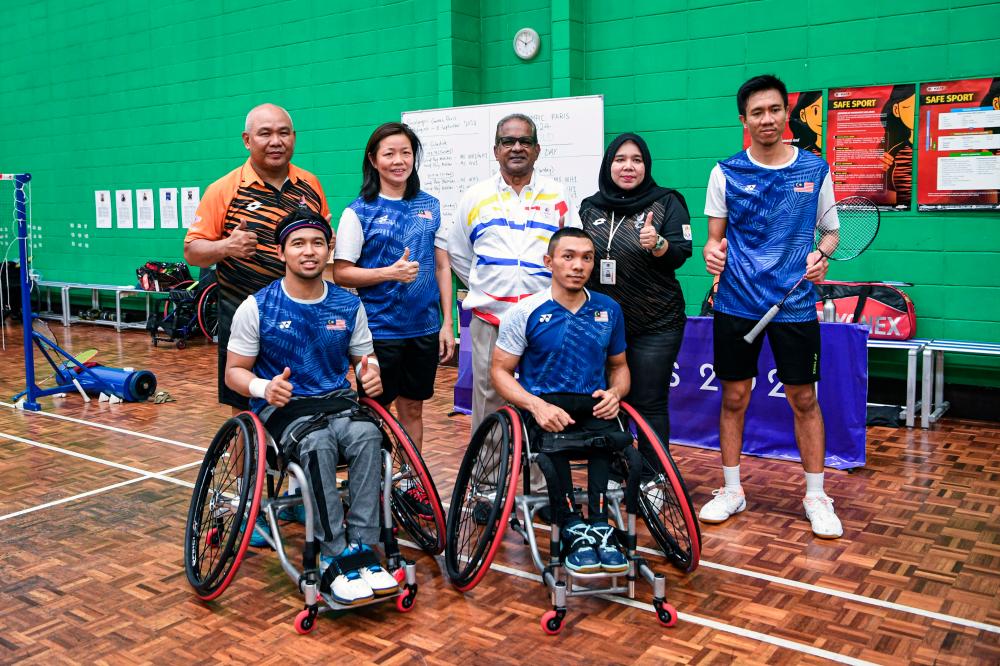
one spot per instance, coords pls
(886, 310)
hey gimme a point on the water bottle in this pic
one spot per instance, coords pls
(829, 310)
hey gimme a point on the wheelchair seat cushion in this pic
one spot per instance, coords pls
(583, 440)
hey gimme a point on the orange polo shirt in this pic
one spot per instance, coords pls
(242, 196)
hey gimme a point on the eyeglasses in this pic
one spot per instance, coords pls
(509, 141)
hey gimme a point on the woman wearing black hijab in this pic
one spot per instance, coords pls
(642, 234)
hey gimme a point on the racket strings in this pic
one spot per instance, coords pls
(848, 229)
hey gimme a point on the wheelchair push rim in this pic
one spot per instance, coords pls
(408, 465)
(208, 312)
(673, 525)
(471, 543)
(224, 506)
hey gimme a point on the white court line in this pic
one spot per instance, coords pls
(123, 431)
(711, 624)
(98, 491)
(101, 461)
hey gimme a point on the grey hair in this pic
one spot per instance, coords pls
(517, 116)
(246, 126)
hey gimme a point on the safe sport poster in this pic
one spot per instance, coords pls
(870, 143)
(805, 122)
(959, 145)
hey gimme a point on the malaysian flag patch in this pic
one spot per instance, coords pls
(336, 325)
(806, 186)
(601, 316)
(426, 214)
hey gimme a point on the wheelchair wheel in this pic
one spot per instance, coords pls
(483, 498)
(409, 477)
(208, 312)
(663, 501)
(224, 506)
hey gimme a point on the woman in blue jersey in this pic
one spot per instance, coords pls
(391, 248)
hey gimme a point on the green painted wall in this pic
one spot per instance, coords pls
(119, 95)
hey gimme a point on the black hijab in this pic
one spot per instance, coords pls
(629, 202)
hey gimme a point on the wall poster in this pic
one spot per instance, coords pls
(870, 143)
(959, 145)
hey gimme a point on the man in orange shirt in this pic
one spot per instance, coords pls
(235, 221)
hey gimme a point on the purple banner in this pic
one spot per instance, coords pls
(463, 386)
(696, 395)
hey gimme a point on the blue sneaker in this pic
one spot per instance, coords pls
(293, 514)
(579, 546)
(257, 539)
(612, 559)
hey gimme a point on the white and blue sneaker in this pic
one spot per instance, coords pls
(293, 514)
(379, 580)
(347, 588)
(612, 559)
(580, 548)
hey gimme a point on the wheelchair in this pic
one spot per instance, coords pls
(230, 492)
(486, 500)
(190, 307)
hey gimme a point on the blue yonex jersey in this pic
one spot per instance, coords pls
(563, 352)
(396, 310)
(770, 230)
(312, 339)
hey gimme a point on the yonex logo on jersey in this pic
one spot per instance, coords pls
(284, 324)
(383, 221)
(545, 318)
(254, 205)
(750, 188)
(601, 316)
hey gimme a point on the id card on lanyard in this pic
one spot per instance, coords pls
(609, 267)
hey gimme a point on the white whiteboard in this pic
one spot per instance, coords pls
(458, 145)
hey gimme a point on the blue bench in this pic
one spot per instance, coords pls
(932, 391)
(913, 348)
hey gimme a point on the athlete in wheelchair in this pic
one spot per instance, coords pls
(290, 349)
(568, 346)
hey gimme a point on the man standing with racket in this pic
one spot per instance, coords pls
(763, 206)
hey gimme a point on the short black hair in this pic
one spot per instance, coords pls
(301, 214)
(758, 84)
(371, 182)
(567, 232)
(516, 116)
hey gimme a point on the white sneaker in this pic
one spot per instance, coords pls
(347, 588)
(379, 580)
(819, 511)
(725, 503)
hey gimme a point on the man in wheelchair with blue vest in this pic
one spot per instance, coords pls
(567, 345)
(290, 349)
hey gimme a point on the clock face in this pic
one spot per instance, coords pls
(526, 43)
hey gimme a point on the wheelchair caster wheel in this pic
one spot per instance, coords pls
(399, 574)
(552, 622)
(305, 621)
(181, 344)
(665, 613)
(404, 602)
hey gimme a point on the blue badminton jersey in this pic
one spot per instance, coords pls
(771, 223)
(562, 351)
(313, 339)
(397, 310)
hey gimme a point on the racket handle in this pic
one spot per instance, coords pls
(764, 321)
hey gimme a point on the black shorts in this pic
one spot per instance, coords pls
(795, 346)
(227, 396)
(408, 367)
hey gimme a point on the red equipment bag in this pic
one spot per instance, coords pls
(162, 275)
(886, 310)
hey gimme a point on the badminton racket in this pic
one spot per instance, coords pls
(843, 232)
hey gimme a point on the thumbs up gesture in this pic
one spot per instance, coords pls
(370, 377)
(279, 389)
(404, 270)
(715, 256)
(241, 243)
(647, 234)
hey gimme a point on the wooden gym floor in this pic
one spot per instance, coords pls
(93, 500)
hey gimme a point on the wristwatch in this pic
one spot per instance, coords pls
(660, 242)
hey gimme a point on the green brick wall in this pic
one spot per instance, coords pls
(118, 95)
